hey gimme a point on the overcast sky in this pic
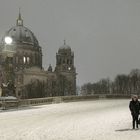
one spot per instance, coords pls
(104, 34)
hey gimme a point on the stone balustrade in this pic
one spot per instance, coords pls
(60, 99)
(6, 104)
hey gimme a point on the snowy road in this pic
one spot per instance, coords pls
(85, 120)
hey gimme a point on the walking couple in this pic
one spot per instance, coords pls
(134, 106)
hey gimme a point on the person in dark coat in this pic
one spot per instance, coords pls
(134, 107)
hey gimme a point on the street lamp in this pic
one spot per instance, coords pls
(8, 40)
(8, 52)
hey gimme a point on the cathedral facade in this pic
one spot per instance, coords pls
(21, 71)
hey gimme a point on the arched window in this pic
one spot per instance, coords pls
(20, 60)
(16, 59)
(28, 60)
(36, 59)
(31, 59)
(63, 61)
(70, 62)
(24, 59)
(67, 61)
(60, 61)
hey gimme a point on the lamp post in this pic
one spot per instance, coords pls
(8, 52)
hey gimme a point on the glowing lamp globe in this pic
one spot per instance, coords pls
(8, 40)
(69, 68)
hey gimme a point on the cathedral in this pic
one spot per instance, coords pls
(21, 71)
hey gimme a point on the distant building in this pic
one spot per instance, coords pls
(21, 66)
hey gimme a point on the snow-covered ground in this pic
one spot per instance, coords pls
(85, 120)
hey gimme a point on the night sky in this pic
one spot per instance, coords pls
(104, 34)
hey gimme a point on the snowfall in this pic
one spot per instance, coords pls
(84, 120)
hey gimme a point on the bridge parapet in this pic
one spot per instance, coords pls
(60, 99)
(51, 100)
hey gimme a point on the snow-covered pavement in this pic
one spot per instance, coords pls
(85, 120)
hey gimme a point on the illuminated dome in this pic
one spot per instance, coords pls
(21, 34)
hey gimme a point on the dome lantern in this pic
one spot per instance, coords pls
(64, 48)
(19, 20)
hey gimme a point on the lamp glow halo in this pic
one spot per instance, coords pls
(8, 40)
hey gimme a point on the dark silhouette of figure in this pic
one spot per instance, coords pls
(134, 106)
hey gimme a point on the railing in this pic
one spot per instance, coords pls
(6, 104)
(60, 99)
(36, 101)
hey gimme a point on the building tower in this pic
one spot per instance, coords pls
(65, 70)
(21, 59)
